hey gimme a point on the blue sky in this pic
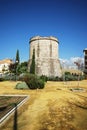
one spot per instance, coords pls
(22, 19)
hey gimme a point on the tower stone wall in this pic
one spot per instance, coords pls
(46, 56)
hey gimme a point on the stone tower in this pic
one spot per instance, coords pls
(46, 56)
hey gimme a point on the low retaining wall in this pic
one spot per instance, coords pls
(8, 115)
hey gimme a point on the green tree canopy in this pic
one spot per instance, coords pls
(22, 68)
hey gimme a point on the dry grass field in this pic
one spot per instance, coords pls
(53, 108)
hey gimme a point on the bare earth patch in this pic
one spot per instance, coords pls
(53, 108)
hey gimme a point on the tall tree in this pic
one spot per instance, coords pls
(17, 57)
(32, 67)
(22, 67)
(12, 68)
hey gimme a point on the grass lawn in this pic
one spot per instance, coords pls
(53, 108)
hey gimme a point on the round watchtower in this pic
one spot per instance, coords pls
(46, 56)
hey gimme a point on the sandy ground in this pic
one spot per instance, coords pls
(53, 108)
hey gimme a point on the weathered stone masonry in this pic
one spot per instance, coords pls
(46, 56)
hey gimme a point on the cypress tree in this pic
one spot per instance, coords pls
(32, 67)
(17, 57)
(17, 60)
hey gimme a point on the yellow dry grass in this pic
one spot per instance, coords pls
(53, 108)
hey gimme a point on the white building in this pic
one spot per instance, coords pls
(4, 65)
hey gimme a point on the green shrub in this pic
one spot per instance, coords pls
(10, 77)
(44, 78)
(22, 85)
(55, 78)
(32, 84)
(1, 79)
(41, 84)
(51, 78)
(33, 81)
(73, 77)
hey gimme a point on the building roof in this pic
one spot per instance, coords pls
(85, 49)
(8, 61)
